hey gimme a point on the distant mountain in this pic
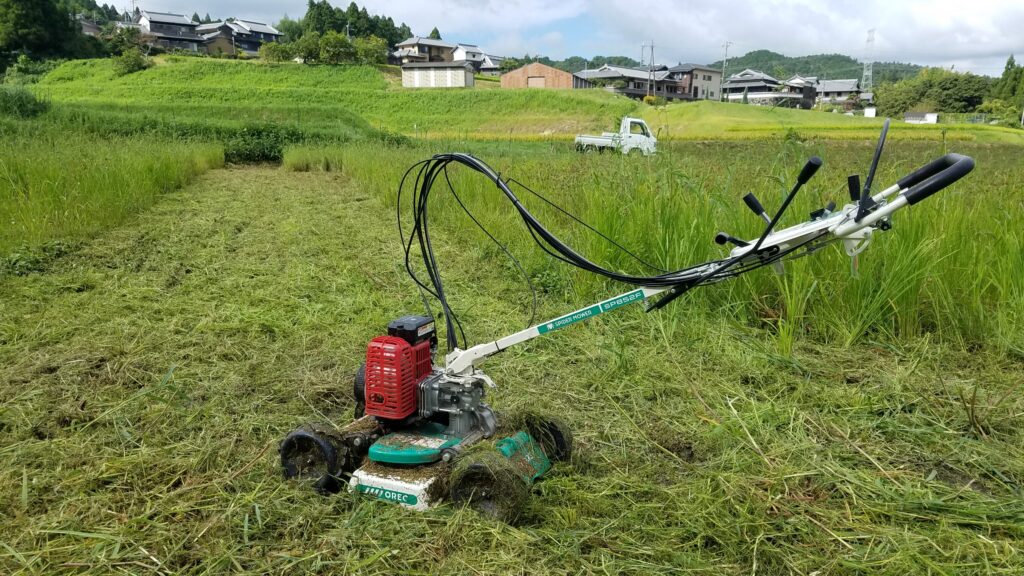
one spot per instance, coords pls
(828, 66)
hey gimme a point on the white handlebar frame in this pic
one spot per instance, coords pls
(839, 225)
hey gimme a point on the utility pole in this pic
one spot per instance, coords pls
(867, 80)
(725, 62)
(348, 31)
(650, 65)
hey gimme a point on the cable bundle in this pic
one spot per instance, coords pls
(431, 169)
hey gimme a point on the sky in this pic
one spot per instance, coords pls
(977, 36)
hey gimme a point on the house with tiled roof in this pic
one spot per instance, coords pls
(681, 82)
(235, 36)
(418, 49)
(169, 31)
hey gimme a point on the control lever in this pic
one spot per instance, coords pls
(721, 238)
(853, 183)
(755, 206)
(806, 173)
(821, 212)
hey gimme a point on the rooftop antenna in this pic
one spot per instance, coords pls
(867, 82)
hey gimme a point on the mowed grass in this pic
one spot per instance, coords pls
(56, 186)
(149, 376)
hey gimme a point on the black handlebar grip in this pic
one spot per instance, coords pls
(928, 170)
(809, 169)
(940, 173)
(753, 203)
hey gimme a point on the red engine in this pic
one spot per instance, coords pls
(396, 364)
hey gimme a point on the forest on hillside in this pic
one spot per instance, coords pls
(824, 66)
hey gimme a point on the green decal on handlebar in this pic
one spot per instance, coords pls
(591, 311)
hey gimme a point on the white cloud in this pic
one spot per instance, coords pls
(979, 35)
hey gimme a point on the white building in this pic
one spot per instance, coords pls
(438, 74)
(470, 53)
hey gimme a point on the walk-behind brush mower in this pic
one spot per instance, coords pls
(419, 429)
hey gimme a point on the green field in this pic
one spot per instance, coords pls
(167, 319)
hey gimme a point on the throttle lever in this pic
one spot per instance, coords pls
(721, 238)
(755, 206)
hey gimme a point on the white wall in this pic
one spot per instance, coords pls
(436, 78)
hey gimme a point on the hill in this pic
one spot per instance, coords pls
(320, 99)
(215, 99)
(821, 65)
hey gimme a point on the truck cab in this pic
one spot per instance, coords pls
(633, 134)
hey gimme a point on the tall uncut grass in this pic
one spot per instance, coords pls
(58, 186)
(951, 267)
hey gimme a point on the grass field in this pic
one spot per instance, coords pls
(165, 321)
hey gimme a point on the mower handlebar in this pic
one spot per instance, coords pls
(935, 176)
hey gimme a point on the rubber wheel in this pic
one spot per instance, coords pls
(359, 391)
(308, 455)
(487, 483)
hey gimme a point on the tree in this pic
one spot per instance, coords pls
(207, 19)
(371, 50)
(335, 48)
(130, 61)
(1006, 88)
(435, 34)
(933, 90)
(308, 47)
(291, 29)
(320, 17)
(196, 19)
(276, 52)
(124, 39)
(509, 64)
(358, 20)
(35, 26)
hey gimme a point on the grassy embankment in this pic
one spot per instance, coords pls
(323, 101)
(701, 445)
(348, 103)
